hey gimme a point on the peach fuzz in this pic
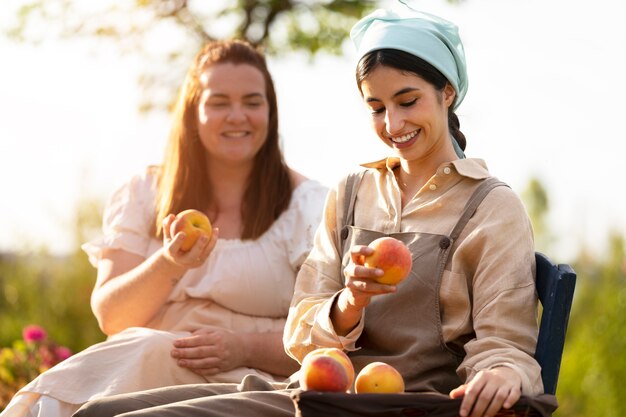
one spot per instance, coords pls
(379, 377)
(326, 369)
(194, 224)
(393, 257)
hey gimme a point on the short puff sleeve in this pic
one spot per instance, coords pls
(127, 220)
(300, 225)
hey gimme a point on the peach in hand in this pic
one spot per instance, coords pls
(194, 224)
(379, 377)
(393, 257)
(326, 369)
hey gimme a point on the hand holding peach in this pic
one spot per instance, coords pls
(393, 257)
(326, 369)
(185, 245)
(194, 224)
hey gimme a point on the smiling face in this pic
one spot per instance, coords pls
(409, 114)
(233, 112)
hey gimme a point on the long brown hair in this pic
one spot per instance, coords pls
(183, 181)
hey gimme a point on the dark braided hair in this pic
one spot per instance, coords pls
(406, 62)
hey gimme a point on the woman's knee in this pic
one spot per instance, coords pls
(93, 408)
(110, 407)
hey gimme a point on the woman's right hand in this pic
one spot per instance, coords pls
(360, 287)
(361, 284)
(127, 280)
(194, 257)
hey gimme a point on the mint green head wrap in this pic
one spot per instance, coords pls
(426, 36)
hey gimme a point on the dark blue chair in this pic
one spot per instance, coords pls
(555, 287)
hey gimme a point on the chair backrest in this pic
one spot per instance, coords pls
(555, 287)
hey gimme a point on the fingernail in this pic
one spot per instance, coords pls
(379, 272)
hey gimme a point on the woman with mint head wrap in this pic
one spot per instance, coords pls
(419, 43)
(463, 323)
(412, 75)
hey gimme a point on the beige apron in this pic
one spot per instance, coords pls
(403, 328)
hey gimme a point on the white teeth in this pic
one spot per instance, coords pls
(405, 138)
(235, 134)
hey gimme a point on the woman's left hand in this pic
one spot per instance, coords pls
(489, 391)
(209, 351)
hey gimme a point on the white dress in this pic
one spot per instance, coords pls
(244, 286)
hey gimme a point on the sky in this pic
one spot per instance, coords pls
(545, 100)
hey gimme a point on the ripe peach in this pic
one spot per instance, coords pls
(194, 224)
(341, 356)
(379, 377)
(326, 369)
(393, 257)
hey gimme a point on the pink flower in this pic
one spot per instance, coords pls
(47, 357)
(33, 333)
(62, 353)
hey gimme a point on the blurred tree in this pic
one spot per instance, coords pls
(165, 34)
(537, 204)
(309, 25)
(594, 364)
(594, 359)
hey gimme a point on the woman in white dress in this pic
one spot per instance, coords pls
(216, 312)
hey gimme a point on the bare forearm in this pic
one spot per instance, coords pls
(265, 351)
(132, 298)
(344, 316)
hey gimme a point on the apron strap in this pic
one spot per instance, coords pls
(352, 185)
(475, 200)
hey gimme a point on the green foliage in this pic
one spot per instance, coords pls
(594, 362)
(52, 291)
(49, 291)
(594, 358)
(258, 21)
(330, 26)
(535, 198)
